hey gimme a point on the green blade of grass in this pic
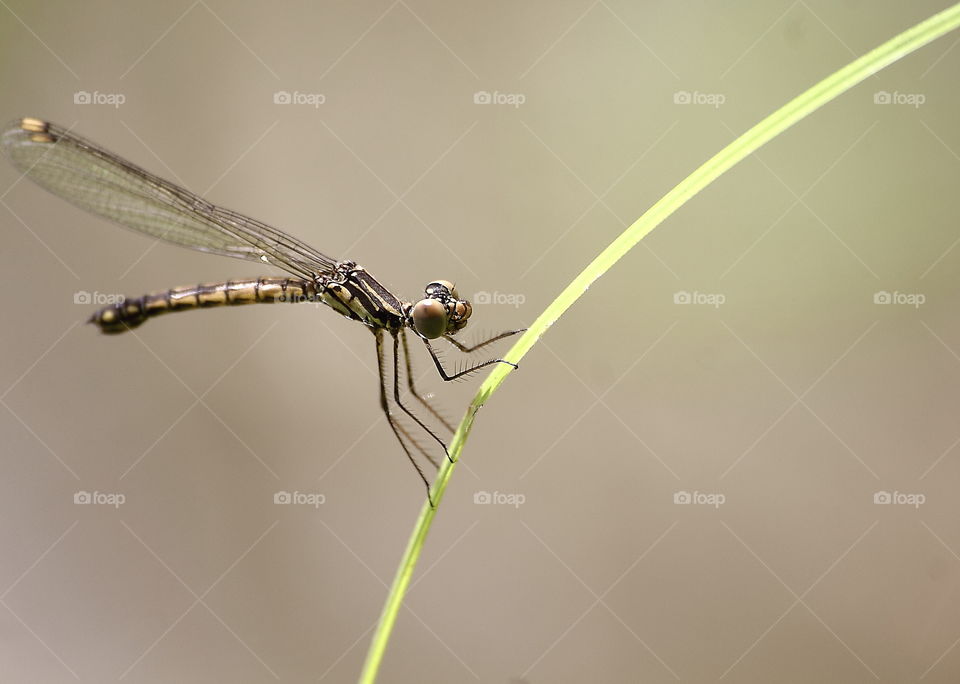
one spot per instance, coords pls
(820, 94)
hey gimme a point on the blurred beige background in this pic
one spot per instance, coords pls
(781, 353)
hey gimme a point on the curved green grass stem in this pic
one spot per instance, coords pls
(773, 125)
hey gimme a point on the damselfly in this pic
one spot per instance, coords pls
(104, 184)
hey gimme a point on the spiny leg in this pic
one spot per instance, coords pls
(413, 441)
(465, 371)
(416, 444)
(384, 405)
(467, 350)
(396, 396)
(413, 389)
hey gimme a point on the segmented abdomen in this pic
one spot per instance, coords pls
(130, 313)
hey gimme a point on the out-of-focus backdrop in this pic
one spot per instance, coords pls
(735, 458)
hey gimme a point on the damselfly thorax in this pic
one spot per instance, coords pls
(106, 185)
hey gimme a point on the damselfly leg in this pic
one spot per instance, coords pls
(396, 392)
(400, 346)
(480, 345)
(413, 390)
(475, 367)
(397, 428)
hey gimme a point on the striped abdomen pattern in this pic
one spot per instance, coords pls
(132, 312)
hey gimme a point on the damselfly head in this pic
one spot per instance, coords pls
(440, 312)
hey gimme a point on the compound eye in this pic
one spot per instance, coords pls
(446, 284)
(463, 310)
(429, 318)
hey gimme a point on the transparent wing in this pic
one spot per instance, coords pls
(102, 183)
